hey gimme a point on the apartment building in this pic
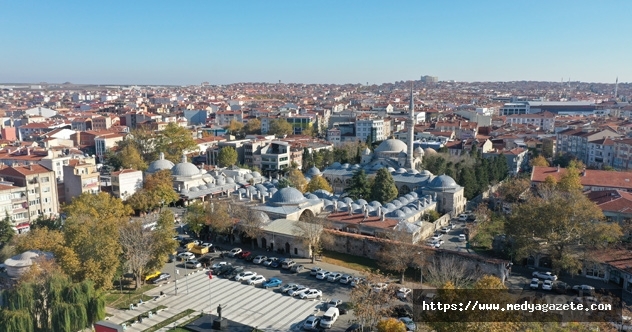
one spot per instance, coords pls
(126, 182)
(106, 141)
(223, 118)
(369, 127)
(14, 203)
(622, 154)
(79, 178)
(544, 120)
(41, 197)
(600, 153)
(575, 141)
(273, 157)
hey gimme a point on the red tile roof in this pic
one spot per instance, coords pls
(592, 178)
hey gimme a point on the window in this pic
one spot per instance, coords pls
(46, 189)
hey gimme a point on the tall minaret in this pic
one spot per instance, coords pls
(411, 130)
(616, 88)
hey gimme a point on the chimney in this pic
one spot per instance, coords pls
(350, 209)
(558, 168)
(382, 215)
(28, 151)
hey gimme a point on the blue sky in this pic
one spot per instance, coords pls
(338, 41)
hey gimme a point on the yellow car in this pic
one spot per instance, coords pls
(152, 275)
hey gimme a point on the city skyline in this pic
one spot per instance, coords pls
(150, 43)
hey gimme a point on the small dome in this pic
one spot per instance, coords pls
(242, 190)
(184, 191)
(194, 189)
(356, 207)
(413, 194)
(347, 200)
(221, 181)
(397, 203)
(429, 151)
(160, 165)
(401, 171)
(273, 191)
(230, 180)
(400, 214)
(327, 202)
(390, 206)
(413, 171)
(443, 182)
(375, 204)
(426, 172)
(256, 174)
(406, 210)
(403, 200)
(261, 187)
(391, 170)
(361, 202)
(312, 172)
(311, 196)
(336, 165)
(287, 195)
(392, 145)
(356, 166)
(321, 193)
(248, 177)
(346, 165)
(409, 197)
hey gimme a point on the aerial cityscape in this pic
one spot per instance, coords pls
(327, 166)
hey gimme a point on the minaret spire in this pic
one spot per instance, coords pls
(616, 88)
(411, 130)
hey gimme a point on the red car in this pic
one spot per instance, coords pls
(244, 254)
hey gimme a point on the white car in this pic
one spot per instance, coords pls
(446, 230)
(357, 281)
(379, 286)
(206, 244)
(462, 237)
(463, 217)
(333, 277)
(234, 252)
(256, 280)
(547, 285)
(311, 294)
(435, 244)
(544, 275)
(192, 264)
(346, 279)
(259, 259)
(403, 292)
(334, 303)
(186, 255)
(289, 287)
(312, 323)
(245, 275)
(535, 283)
(322, 275)
(314, 271)
(298, 291)
(410, 325)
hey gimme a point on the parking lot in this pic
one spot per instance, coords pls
(252, 305)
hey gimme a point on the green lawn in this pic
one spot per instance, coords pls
(349, 261)
(115, 299)
(171, 320)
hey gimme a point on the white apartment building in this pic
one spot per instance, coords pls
(79, 178)
(370, 127)
(544, 120)
(126, 182)
(41, 197)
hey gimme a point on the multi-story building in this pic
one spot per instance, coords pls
(40, 189)
(372, 127)
(544, 120)
(106, 141)
(126, 182)
(79, 178)
(273, 157)
(622, 154)
(575, 141)
(334, 135)
(223, 118)
(104, 122)
(301, 122)
(14, 203)
(600, 153)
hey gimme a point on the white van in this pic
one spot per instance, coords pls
(329, 318)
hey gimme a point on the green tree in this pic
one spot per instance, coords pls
(138, 244)
(539, 161)
(143, 140)
(280, 127)
(432, 215)
(235, 127)
(6, 230)
(164, 244)
(383, 189)
(318, 182)
(284, 183)
(219, 218)
(253, 127)
(468, 182)
(173, 141)
(512, 190)
(297, 179)
(395, 254)
(359, 187)
(129, 157)
(570, 180)
(227, 156)
(547, 148)
(91, 231)
(51, 303)
(390, 325)
(196, 217)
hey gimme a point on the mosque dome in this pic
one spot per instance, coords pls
(160, 165)
(288, 196)
(443, 182)
(429, 151)
(312, 172)
(256, 175)
(418, 151)
(336, 165)
(392, 145)
(185, 168)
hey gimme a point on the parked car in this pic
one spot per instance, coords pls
(311, 294)
(322, 275)
(233, 272)
(218, 265)
(357, 281)
(298, 291)
(275, 264)
(287, 264)
(273, 282)
(193, 264)
(245, 275)
(234, 252)
(259, 259)
(333, 303)
(544, 275)
(547, 285)
(410, 325)
(314, 271)
(269, 261)
(186, 255)
(162, 277)
(584, 289)
(462, 237)
(445, 230)
(403, 292)
(535, 283)
(256, 280)
(207, 244)
(288, 287)
(312, 323)
(380, 286)
(334, 276)
(297, 268)
(346, 279)
(330, 317)
(243, 254)
(206, 260)
(463, 217)
(561, 287)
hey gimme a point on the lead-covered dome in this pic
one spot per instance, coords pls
(287, 196)
(160, 165)
(185, 168)
(312, 172)
(443, 182)
(392, 145)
